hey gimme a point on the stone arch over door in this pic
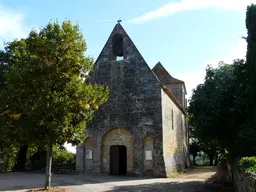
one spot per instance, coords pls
(114, 137)
(148, 147)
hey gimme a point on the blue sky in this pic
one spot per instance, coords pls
(184, 35)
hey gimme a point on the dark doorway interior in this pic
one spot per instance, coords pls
(118, 160)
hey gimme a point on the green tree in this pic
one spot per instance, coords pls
(218, 110)
(194, 149)
(7, 157)
(3, 69)
(62, 156)
(15, 52)
(251, 64)
(45, 95)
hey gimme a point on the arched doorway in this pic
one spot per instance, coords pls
(117, 152)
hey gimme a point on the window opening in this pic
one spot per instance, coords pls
(117, 47)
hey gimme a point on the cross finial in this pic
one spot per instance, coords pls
(119, 21)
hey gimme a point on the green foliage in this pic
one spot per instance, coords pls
(251, 65)
(194, 148)
(218, 111)
(45, 97)
(247, 134)
(61, 156)
(45, 100)
(7, 157)
(32, 149)
(248, 164)
(201, 159)
(3, 69)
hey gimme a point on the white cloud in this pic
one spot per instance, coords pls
(11, 24)
(193, 78)
(186, 5)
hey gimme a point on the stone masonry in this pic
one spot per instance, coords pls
(141, 114)
(244, 182)
(176, 86)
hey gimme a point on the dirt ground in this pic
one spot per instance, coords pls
(193, 180)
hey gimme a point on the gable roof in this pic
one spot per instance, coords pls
(132, 53)
(164, 76)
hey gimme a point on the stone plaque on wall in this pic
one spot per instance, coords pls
(148, 155)
(89, 154)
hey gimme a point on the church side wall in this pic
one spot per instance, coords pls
(174, 136)
(178, 92)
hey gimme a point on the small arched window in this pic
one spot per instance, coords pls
(117, 47)
(88, 148)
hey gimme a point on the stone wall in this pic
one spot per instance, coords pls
(244, 182)
(134, 104)
(117, 136)
(176, 86)
(178, 90)
(80, 158)
(148, 147)
(88, 161)
(174, 135)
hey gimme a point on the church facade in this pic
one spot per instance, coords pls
(141, 129)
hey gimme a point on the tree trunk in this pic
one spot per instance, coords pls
(216, 160)
(7, 165)
(211, 160)
(48, 173)
(21, 159)
(194, 159)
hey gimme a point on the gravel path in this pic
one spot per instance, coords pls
(189, 182)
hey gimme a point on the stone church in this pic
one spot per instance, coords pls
(141, 129)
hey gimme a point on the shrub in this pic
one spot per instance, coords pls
(7, 158)
(248, 164)
(62, 156)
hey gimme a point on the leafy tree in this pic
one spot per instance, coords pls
(3, 69)
(7, 157)
(62, 156)
(32, 149)
(218, 110)
(14, 52)
(223, 109)
(194, 150)
(45, 96)
(251, 64)
(21, 159)
(248, 164)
